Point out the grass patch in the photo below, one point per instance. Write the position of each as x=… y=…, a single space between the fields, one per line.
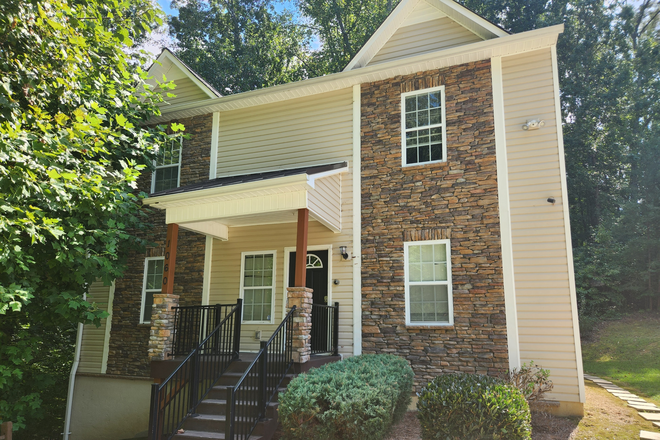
x=627 y=352
x=607 y=417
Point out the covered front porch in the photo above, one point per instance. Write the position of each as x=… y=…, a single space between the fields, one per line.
x=267 y=233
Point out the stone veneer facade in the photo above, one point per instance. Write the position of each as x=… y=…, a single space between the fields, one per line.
x=456 y=199
x=129 y=340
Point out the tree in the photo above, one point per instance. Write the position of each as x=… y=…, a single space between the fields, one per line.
x=72 y=144
x=239 y=45
x=343 y=27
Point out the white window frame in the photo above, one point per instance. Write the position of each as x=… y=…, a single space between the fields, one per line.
x=144 y=287
x=158 y=167
x=443 y=125
x=242 y=286
x=448 y=283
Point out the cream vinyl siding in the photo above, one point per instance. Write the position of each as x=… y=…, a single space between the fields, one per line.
x=300 y=132
x=93 y=359
x=326 y=198
x=226 y=268
x=186 y=91
x=429 y=36
x=541 y=272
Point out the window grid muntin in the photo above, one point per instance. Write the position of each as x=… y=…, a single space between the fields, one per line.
x=443 y=306
x=167 y=174
x=152 y=284
x=433 y=145
x=257 y=270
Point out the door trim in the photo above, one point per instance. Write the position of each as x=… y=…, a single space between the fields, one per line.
x=287 y=256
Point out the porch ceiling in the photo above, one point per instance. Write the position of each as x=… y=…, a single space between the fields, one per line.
x=213 y=206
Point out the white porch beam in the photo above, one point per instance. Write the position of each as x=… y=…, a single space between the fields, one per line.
x=212 y=228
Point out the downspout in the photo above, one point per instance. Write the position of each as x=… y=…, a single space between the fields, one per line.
x=72 y=379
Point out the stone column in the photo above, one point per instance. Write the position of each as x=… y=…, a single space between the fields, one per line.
x=162 y=326
x=301 y=297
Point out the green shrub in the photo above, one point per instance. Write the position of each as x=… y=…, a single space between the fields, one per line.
x=532 y=381
x=472 y=407
x=358 y=398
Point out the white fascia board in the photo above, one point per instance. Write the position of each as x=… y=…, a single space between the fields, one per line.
x=311 y=178
x=481 y=50
x=202 y=196
x=465 y=17
x=166 y=53
x=382 y=34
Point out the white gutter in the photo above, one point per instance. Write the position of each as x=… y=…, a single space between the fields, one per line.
x=72 y=379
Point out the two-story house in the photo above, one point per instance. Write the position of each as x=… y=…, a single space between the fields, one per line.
x=426 y=183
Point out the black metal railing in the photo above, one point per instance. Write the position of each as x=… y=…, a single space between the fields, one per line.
x=248 y=400
x=176 y=399
x=193 y=324
x=325 y=329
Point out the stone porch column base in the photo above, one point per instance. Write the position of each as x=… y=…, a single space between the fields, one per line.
x=162 y=326
x=301 y=297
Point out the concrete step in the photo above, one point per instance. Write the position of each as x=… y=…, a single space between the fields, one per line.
x=647 y=435
x=650 y=416
x=649 y=407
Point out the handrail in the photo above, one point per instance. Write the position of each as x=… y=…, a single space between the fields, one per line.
x=192 y=324
x=177 y=398
x=248 y=400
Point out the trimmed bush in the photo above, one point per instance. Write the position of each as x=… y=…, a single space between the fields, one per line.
x=358 y=398
x=472 y=407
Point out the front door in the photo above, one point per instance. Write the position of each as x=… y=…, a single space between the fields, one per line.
x=317 y=279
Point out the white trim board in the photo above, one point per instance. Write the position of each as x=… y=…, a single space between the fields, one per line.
x=511 y=311
x=567 y=227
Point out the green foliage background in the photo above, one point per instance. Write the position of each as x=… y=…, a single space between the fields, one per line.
x=72 y=145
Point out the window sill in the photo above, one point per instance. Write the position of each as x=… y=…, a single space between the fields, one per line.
x=429 y=326
x=144 y=325
x=424 y=164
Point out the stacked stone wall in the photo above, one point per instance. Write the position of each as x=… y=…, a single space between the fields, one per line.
x=456 y=199
x=129 y=340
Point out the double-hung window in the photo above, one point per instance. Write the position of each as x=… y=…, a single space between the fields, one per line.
x=423 y=123
x=258 y=286
x=168 y=167
x=428 y=283
x=152 y=283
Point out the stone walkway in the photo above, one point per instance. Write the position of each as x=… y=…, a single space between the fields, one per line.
x=647 y=410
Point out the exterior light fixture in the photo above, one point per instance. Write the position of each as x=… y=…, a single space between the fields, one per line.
x=342 y=251
x=533 y=124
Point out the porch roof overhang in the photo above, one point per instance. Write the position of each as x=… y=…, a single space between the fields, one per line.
x=211 y=207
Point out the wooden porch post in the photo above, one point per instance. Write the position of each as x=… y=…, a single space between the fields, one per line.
x=301 y=248
x=162 y=315
x=170 y=258
x=301 y=296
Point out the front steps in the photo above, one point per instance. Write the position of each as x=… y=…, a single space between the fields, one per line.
x=210 y=421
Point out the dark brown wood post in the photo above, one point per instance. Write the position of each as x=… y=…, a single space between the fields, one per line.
x=170 y=258
x=301 y=248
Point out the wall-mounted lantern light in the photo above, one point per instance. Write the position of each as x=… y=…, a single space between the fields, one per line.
x=342 y=251
x=533 y=124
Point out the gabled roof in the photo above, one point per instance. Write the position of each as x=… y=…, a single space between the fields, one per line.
x=190 y=86
x=403 y=15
